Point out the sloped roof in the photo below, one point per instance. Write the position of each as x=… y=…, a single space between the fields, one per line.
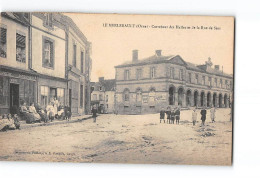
x=17 y=16
x=108 y=85
x=174 y=60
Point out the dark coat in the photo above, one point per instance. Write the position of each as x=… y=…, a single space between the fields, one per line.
x=172 y=115
x=94 y=112
x=168 y=114
x=162 y=114
x=203 y=113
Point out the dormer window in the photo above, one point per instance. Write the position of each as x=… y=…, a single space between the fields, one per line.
x=48 y=19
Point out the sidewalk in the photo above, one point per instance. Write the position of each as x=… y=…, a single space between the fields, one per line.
x=55 y=122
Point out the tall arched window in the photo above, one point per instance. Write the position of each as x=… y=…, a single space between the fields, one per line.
x=139 y=95
x=152 y=95
x=126 y=95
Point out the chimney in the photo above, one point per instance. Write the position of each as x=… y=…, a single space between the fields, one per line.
x=135 y=55
x=216 y=67
x=158 y=53
x=100 y=79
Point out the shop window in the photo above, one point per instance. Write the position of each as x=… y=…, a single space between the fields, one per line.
x=20 y=48
x=3 y=43
x=81 y=95
x=61 y=96
x=4 y=91
x=44 y=96
x=152 y=96
x=48 y=53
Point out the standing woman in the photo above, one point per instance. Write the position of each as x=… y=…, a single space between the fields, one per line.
x=203 y=113
x=213 y=114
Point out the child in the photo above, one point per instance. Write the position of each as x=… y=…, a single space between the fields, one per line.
x=194 y=116
x=162 y=115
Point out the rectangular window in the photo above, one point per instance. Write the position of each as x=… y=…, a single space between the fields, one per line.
x=138 y=74
x=189 y=78
x=203 y=80
x=216 y=82
x=82 y=62
x=127 y=75
x=106 y=98
x=210 y=81
x=152 y=72
x=20 y=48
x=3 y=43
x=48 y=19
x=75 y=55
x=100 y=97
x=221 y=83
x=196 y=78
x=48 y=53
x=44 y=95
x=61 y=96
x=172 y=73
x=181 y=74
x=94 y=96
x=81 y=95
x=226 y=84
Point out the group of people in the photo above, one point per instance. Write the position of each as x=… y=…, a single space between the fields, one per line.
x=9 y=122
x=174 y=114
x=171 y=115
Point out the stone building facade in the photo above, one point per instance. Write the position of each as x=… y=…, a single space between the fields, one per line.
x=103 y=95
x=147 y=85
x=37 y=61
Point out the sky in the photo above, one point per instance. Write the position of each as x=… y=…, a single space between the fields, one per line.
x=113 y=46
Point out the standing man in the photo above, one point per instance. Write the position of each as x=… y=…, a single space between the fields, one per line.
x=177 y=115
x=213 y=114
x=162 y=115
x=94 y=113
x=203 y=113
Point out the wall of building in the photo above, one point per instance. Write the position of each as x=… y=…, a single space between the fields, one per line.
x=58 y=36
x=13 y=28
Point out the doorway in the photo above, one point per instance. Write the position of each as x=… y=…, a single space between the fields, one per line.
x=14 y=96
x=70 y=98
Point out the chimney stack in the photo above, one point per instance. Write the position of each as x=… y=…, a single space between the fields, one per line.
x=135 y=55
x=158 y=53
x=216 y=67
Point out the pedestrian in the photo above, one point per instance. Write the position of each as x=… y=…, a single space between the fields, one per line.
x=94 y=113
x=177 y=115
x=162 y=115
x=213 y=114
x=203 y=113
x=172 y=116
x=168 y=113
x=194 y=116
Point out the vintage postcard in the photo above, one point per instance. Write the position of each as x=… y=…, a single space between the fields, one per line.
x=116 y=88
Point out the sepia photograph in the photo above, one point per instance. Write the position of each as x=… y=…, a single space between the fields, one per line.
x=116 y=88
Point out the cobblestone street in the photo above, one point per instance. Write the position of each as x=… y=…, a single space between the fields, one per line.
x=124 y=139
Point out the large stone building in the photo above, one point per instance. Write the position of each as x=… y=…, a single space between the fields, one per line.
x=43 y=56
x=103 y=95
x=147 y=85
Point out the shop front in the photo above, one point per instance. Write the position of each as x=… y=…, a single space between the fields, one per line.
x=16 y=86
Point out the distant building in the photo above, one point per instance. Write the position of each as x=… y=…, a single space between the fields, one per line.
x=103 y=95
x=43 y=56
x=147 y=85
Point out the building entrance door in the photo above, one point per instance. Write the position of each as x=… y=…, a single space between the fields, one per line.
x=14 y=95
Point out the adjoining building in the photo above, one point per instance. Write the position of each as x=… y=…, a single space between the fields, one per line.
x=43 y=56
x=147 y=85
x=103 y=95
